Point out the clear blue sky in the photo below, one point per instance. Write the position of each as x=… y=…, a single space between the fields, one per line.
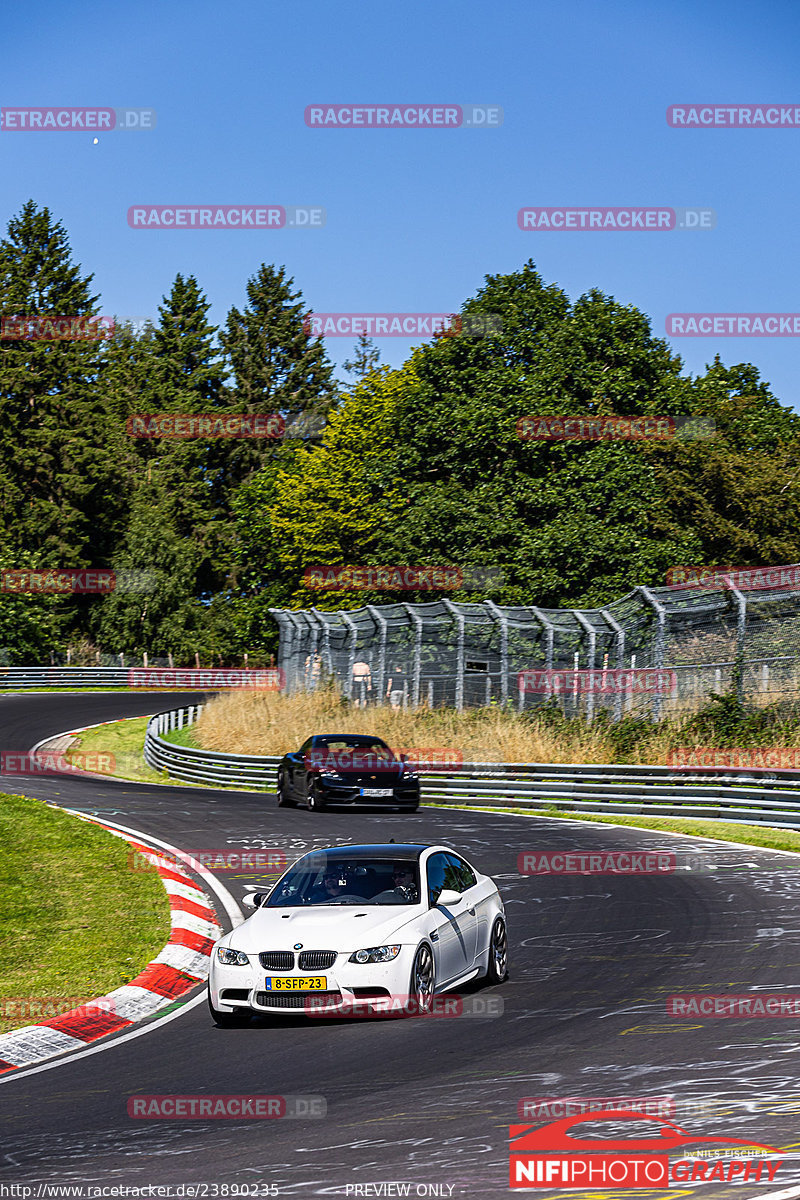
x=415 y=219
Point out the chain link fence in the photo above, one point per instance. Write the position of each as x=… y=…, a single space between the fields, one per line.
x=657 y=651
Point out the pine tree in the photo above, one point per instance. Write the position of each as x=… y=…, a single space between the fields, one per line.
x=179 y=527
x=366 y=357
x=60 y=481
x=277 y=367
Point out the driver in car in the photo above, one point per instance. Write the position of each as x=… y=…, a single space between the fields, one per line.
x=333 y=884
x=403 y=880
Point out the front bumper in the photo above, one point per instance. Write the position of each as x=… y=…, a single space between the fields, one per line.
x=352 y=988
x=404 y=795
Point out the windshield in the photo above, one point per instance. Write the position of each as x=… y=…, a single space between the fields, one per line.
x=338 y=754
x=358 y=881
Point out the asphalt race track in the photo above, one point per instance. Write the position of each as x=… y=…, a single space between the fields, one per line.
x=429 y=1101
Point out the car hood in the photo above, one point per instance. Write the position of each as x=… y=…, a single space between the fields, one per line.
x=373 y=775
x=338 y=927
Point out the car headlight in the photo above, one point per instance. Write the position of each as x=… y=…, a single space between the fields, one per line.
x=376 y=954
x=232 y=958
x=334 y=776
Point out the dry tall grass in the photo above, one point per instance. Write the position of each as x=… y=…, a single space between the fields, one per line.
x=270 y=723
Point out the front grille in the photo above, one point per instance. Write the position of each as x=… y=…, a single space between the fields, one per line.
x=295 y=999
x=314 y=960
x=277 y=960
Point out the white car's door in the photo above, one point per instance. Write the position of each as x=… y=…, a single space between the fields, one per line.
x=453 y=930
x=461 y=878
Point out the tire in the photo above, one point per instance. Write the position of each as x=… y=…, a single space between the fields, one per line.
x=498 y=953
x=229 y=1020
x=283 y=799
x=422 y=985
x=314 y=801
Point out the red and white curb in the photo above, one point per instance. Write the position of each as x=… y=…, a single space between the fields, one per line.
x=182 y=964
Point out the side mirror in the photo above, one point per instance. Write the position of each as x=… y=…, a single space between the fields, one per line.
x=254 y=899
x=448 y=898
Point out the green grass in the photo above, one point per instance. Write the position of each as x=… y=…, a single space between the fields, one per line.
x=181 y=737
x=125 y=740
x=724 y=831
x=75 y=920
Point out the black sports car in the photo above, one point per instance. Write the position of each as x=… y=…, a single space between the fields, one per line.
x=347 y=768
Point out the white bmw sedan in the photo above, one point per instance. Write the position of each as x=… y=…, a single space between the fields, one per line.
x=351 y=930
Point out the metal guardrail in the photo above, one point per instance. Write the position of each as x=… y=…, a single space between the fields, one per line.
x=771 y=798
x=21 y=678
x=254 y=771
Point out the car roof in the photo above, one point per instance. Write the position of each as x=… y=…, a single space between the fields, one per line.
x=409 y=850
x=357 y=739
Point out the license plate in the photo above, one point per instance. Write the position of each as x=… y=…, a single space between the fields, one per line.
x=309 y=983
x=376 y=792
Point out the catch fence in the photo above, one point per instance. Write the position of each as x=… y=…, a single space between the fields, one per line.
x=655 y=651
